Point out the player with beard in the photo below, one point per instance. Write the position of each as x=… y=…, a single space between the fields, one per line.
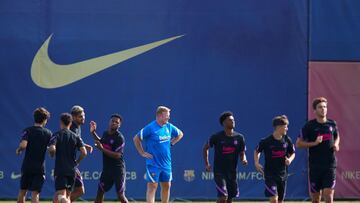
x=321 y=137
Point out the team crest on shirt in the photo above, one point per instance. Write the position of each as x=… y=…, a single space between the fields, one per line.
x=235 y=142
x=111 y=141
x=189 y=175
x=285 y=145
x=331 y=128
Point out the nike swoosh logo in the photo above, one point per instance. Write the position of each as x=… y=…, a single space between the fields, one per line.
x=15 y=176
x=47 y=74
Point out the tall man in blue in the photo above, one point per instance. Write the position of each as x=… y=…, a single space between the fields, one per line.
x=112 y=146
x=158 y=137
x=34 y=140
x=279 y=152
x=321 y=137
x=229 y=146
x=65 y=144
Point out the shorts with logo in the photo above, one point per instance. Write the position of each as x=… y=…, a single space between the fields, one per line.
x=64 y=182
x=226 y=185
x=275 y=187
x=155 y=174
x=78 y=179
x=109 y=178
x=321 y=178
x=32 y=182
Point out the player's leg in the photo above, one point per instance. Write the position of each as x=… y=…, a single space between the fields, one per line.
x=99 y=196
x=79 y=187
x=315 y=185
x=271 y=190
x=61 y=196
x=120 y=179
x=36 y=186
x=165 y=178
x=21 y=196
x=152 y=177
x=281 y=189
x=329 y=180
x=232 y=187
x=221 y=189
x=105 y=184
x=24 y=185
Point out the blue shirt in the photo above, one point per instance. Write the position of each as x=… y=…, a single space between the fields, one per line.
x=157 y=142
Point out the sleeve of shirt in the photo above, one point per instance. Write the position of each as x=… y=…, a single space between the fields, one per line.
x=79 y=142
x=120 y=144
x=174 y=130
x=336 y=131
x=260 y=147
x=25 y=135
x=212 y=141
x=53 y=139
x=290 y=146
x=304 y=133
x=242 y=146
x=145 y=132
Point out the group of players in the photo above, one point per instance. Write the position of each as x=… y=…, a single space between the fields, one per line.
x=319 y=135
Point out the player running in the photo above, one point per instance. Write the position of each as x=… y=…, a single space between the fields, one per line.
x=279 y=152
x=112 y=146
x=34 y=140
x=64 y=145
x=322 y=138
x=228 y=145
x=158 y=136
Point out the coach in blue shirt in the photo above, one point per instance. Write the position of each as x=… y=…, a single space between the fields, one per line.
x=158 y=137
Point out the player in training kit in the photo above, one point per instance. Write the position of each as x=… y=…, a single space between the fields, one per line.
x=228 y=145
x=112 y=146
x=78 y=119
x=158 y=136
x=322 y=138
x=279 y=152
x=64 y=145
x=34 y=140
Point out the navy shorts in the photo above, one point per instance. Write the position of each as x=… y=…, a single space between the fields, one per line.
x=321 y=178
x=275 y=188
x=64 y=182
x=32 y=182
x=78 y=179
x=226 y=185
x=109 y=178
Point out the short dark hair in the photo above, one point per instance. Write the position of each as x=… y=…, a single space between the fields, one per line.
x=76 y=110
x=317 y=101
x=280 y=120
x=116 y=115
x=41 y=114
x=224 y=115
x=66 y=119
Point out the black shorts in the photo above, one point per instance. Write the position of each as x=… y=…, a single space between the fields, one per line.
x=64 y=182
x=32 y=182
x=108 y=178
x=226 y=185
x=321 y=178
x=275 y=188
x=78 y=179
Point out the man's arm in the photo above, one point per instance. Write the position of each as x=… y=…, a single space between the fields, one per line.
x=289 y=159
x=243 y=159
x=111 y=154
x=258 y=166
x=83 y=153
x=337 y=144
x=93 y=133
x=140 y=149
x=176 y=139
x=206 y=156
x=52 y=150
x=300 y=143
x=22 y=147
